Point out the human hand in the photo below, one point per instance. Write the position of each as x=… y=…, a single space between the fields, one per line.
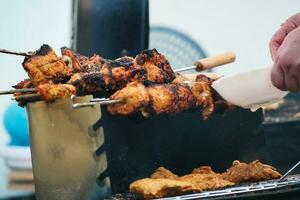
x=286 y=56
x=278 y=38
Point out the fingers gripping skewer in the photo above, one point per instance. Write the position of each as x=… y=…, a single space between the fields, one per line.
x=16 y=52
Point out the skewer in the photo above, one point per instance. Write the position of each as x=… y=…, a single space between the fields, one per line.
x=101 y=102
x=288 y=172
x=17 y=91
x=98 y=99
x=27 y=97
x=16 y=52
x=210 y=62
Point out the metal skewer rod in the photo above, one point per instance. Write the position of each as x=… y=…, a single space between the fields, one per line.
x=184 y=69
x=17 y=91
x=98 y=99
x=16 y=52
x=27 y=97
x=288 y=172
x=101 y=102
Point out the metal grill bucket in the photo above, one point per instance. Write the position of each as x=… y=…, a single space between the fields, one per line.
x=63 y=148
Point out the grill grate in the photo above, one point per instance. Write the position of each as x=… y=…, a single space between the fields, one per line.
x=259 y=189
x=243 y=189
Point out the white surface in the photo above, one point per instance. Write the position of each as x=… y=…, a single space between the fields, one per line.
x=250 y=89
x=15 y=153
x=242 y=26
x=16 y=157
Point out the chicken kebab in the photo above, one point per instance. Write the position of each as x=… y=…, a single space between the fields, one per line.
x=169 y=98
x=93 y=75
x=145 y=84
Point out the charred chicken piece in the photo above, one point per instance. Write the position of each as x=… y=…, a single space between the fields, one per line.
x=112 y=76
x=186 y=99
x=135 y=96
x=203 y=170
x=46 y=67
x=157 y=66
x=180 y=79
x=220 y=105
x=88 y=83
x=81 y=63
x=163 y=98
x=162 y=172
x=26 y=83
x=148 y=188
x=252 y=172
x=51 y=92
x=202 y=91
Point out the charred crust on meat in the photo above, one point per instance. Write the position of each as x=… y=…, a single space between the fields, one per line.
x=144 y=55
x=124 y=62
x=43 y=50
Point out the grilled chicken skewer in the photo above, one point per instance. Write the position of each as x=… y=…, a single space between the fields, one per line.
x=168 y=98
x=145 y=84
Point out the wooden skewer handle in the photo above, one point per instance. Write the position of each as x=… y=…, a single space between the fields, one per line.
x=214 y=61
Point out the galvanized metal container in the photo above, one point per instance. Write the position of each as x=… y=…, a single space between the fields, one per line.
x=63 y=148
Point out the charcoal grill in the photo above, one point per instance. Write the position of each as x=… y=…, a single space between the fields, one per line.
x=135 y=146
x=128 y=148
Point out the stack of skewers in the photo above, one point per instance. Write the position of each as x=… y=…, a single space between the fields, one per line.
x=145 y=84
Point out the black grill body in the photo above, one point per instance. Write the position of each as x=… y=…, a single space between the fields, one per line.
x=136 y=146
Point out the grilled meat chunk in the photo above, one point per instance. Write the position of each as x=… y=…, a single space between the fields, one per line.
x=158 y=188
x=81 y=63
x=135 y=96
x=252 y=172
x=112 y=76
x=186 y=99
x=162 y=172
x=77 y=60
x=157 y=66
x=163 y=183
x=163 y=98
x=202 y=91
x=205 y=178
x=207 y=181
x=203 y=170
x=26 y=83
x=181 y=79
x=167 y=98
x=52 y=92
x=45 y=67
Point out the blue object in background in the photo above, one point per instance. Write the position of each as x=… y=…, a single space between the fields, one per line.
x=180 y=49
x=15 y=122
